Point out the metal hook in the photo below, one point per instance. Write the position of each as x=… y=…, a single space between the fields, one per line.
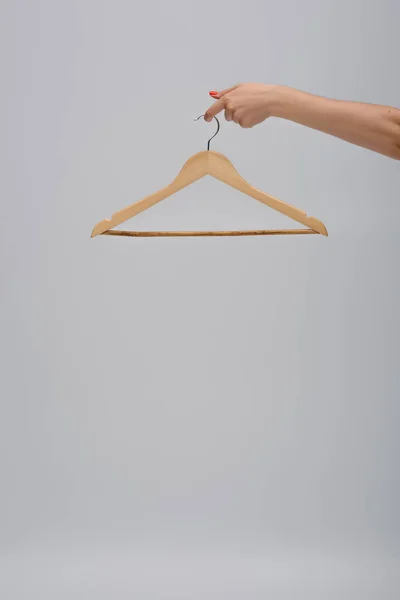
x=213 y=136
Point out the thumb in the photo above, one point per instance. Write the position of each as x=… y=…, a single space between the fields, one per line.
x=224 y=92
x=218 y=95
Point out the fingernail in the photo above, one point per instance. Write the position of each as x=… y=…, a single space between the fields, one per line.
x=213 y=93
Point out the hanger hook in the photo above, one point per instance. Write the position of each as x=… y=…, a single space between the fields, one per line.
x=213 y=136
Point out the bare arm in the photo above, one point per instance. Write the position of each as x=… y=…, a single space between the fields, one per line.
x=371 y=126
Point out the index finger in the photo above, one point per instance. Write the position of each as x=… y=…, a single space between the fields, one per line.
x=214 y=110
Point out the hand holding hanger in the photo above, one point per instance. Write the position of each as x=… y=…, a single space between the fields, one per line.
x=371 y=126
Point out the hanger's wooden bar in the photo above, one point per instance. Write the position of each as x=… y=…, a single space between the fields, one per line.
x=218 y=166
x=208 y=233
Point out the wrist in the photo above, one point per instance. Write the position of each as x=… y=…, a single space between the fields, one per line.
x=280 y=98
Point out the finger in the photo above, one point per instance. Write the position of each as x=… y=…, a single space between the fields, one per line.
x=228 y=114
x=235 y=117
x=214 y=110
x=217 y=95
x=240 y=117
x=224 y=92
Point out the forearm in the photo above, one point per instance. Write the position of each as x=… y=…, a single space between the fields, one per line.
x=371 y=126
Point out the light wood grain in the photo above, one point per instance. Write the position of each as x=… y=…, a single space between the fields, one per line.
x=208 y=233
x=218 y=166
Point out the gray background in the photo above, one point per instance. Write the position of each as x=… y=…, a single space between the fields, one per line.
x=195 y=418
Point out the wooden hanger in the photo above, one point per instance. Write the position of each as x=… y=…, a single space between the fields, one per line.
x=217 y=165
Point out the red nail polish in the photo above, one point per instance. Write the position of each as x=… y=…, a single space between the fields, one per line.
x=213 y=93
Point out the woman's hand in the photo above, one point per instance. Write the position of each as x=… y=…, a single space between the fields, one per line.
x=372 y=126
x=246 y=104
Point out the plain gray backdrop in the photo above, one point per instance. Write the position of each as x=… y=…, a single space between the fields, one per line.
x=195 y=418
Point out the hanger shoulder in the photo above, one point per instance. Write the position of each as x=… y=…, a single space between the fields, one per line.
x=220 y=167
x=194 y=168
